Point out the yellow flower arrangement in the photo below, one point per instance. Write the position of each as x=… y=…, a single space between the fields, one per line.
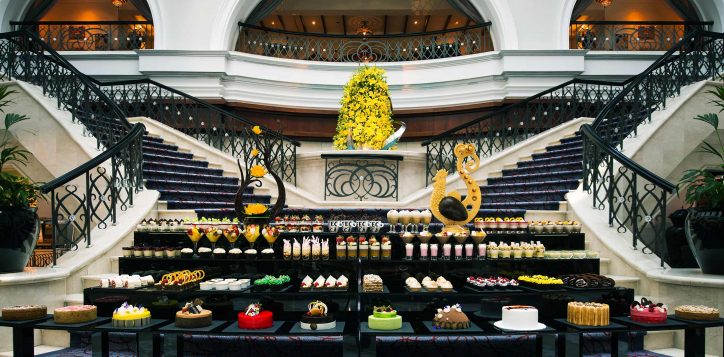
x=254 y=209
x=254 y=152
x=366 y=112
x=256 y=129
x=257 y=171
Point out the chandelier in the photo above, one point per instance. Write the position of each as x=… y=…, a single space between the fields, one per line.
x=364 y=28
x=605 y=3
x=118 y=3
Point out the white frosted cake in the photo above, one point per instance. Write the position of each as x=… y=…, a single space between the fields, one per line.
x=519 y=317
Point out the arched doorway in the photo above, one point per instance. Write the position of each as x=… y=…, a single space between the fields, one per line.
x=355 y=31
x=90 y=25
x=632 y=25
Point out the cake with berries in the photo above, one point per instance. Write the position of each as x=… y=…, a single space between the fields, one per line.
x=75 y=314
x=648 y=312
x=192 y=315
x=384 y=318
x=317 y=317
x=24 y=312
x=254 y=318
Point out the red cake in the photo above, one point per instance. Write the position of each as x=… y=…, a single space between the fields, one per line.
x=255 y=319
x=648 y=312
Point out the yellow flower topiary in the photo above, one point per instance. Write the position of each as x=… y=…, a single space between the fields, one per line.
x=256 y=129
x=366 y=111
x=257 y=171
x=254 y=209
x=254 y=152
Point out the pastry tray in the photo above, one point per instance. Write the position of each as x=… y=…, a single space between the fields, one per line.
x=50 y=324
x=337 y=330
x=547 y=329
x=472 y=329
x=610 y=327
x=405 y=330
x=425 y=291
x=669 y=324
x=154 y=323
x=516 y=289
x=700 y=323
x=385 y=290
x=234 y=329
x=24 y=322
x=172 y=327
x=327 y=290
x=573 y=288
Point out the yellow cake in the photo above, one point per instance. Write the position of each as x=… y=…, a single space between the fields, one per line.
x=131 y=316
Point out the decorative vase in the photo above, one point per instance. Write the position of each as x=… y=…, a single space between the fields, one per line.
x=703 y=233
x=21 y=229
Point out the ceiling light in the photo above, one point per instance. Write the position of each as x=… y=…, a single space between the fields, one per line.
x=415 y=22
x=605 y=3
x=314 y=22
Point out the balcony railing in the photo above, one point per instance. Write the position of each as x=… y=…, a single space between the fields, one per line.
x=92 y=35
x=373 y=48
x=630 y=35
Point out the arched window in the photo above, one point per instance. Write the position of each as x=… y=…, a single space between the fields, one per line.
x=632 y=25
x=354 y=31
x=90 y=25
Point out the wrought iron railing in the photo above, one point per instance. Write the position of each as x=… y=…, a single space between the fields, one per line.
x=636 y=198
x=89 y=195
x=92 y=35
x=370 y=48
x=40 y=259
x=514 y=123
x=630 y=35
x=210 y=124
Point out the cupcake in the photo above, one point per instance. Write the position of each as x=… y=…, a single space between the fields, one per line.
x=138 y=252
x=170 y=252
x=528 y=250
x=187 y=253
x=148 y=252
x=250 y=253
x=235 y=253
x=219 y=253
x=267 y=253
x=158 y=252
x=505 y=251
x=205 y=252
x=493 y=251
x=127 y=251
x=517 y=251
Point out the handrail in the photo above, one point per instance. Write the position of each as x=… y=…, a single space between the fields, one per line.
x=399 y=35
x=708 y=23
x=198 y=101
x=21 y=23
x=136 y=132
x=520 y=104
x=644 y=173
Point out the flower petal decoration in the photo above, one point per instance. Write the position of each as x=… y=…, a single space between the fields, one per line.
x=254 y=152
x=254 y=209
x=256 y=129
x=257 y=171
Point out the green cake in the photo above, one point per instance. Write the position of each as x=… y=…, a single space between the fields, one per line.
x=384 y=318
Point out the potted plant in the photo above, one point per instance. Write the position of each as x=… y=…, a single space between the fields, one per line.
x=704 y=191
x=18 y=199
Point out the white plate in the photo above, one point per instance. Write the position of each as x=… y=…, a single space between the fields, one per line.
x=499 y=324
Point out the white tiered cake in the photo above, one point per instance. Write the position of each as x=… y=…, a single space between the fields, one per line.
x=520 y=318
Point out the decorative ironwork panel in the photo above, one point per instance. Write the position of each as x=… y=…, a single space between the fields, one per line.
x=358 y=48
x=361 y=177
x=92 y=36
x=630 y=35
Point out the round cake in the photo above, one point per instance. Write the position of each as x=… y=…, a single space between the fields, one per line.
x=24 y=312
x=588 y=313
x=384 y=318
x=128 y=316
x=520 y=318
x=254 y=318
x=688 y=312
x=451 y=318
x=648 y=312
x=317 y=317
x=192 y=315
x=75 y=314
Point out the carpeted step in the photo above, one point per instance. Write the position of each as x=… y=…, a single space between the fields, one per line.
x=174 y=160
x=371 y=214
x=167 y=184
x=529 y=205
x=164 y=166
x=531 y=196
x=187 y=177
x=168 y=153
x=561 y=146
x=554 y=153
x=570 y=184
x=152 y=139
x=537 y=177
x=156 y=145
x=196 y=205
x=552 y=161
x=574 y=139
x=535 y=169
x=210 y=196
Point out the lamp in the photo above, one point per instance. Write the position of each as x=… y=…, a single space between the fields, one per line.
x=605 y=3
x=118 y=3
x=364 y=28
